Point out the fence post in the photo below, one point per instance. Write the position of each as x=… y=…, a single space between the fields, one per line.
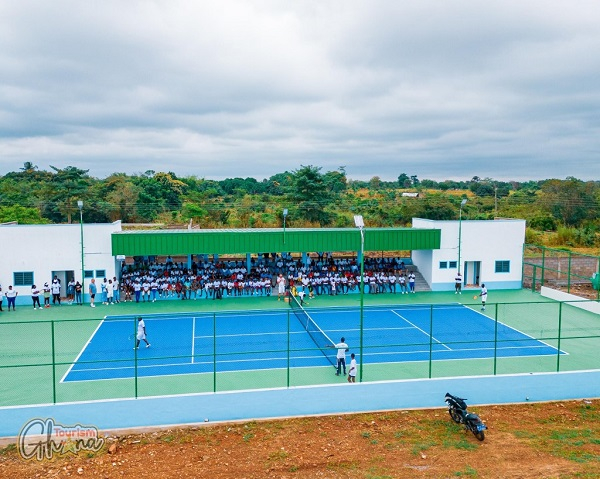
x=559 y=336
x=214 y=352
x=53 y=364
x=496 y=340
x=569 y=275
x=430 y=341
x=288 y=349
x=543 y=263
x=135 y=359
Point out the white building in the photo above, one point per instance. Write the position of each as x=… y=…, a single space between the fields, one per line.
x=34 y=254
x=490 y=251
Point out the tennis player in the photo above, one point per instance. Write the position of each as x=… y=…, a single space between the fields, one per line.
x=342 y=349
x=280 y=287
x=352 y=370
x=483 y=295
x=141 y=333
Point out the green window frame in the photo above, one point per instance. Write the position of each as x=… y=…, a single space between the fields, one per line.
x=502 y=266
x=23 y=278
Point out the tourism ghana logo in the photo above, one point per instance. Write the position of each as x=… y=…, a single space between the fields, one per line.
x=43 y=438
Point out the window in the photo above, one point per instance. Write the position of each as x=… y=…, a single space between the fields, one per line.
x=452 y=264
x=503 y=266
x=443 y=265
x=89 y=273
x=100 y=273
x=23 y=278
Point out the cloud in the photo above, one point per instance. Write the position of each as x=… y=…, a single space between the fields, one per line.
x=252 y=88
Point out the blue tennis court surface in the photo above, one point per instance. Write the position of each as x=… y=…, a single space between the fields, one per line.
x=259 y=340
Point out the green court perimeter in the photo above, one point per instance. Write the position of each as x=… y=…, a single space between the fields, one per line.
x=38 y=347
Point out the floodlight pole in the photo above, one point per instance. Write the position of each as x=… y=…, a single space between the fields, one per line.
x=462 y=203
x=80 y=206
x=285 y=213
x=360 y=224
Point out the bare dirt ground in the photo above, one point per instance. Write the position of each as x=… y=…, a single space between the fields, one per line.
x=549 y=440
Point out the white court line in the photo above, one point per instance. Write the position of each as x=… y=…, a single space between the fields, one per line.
x=175 y=365
x=423 y=331
x=81 y=352
x=514 y=329
x=250 y=334
x=193 y=338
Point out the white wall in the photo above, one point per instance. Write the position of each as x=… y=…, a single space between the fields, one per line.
x=42 y=249
x=571 y=299
x=485 y=241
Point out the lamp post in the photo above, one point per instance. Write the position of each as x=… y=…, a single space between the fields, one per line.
x=360 y=224
x=80 y=206
x=285 y=213
x=462 y=203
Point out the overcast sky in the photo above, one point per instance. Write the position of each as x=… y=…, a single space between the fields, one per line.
x=446 y=89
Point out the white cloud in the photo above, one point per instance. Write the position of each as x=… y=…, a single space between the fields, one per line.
x=254 y=87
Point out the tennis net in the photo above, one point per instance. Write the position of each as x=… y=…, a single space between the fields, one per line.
x=323 y=342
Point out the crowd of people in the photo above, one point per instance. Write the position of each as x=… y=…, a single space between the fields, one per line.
x=269 y=274
x=149 y=281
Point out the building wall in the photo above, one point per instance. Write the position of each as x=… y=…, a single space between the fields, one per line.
x=484 y=241
x=44 y=249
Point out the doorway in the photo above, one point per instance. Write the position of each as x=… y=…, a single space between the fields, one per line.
x=472 y=273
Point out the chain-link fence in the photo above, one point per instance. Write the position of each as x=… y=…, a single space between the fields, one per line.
x=561 y=269
x=85 y=360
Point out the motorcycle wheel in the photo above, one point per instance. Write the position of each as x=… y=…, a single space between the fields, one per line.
x=455 y=415
x=480 y=435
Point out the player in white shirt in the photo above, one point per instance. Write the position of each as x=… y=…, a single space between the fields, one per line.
x=353 y=368
x=141 y=333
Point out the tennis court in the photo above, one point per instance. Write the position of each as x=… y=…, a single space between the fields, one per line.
x=196 y=343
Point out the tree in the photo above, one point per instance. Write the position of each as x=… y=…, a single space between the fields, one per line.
x=311 y=194
x=570 y=201
x=21 y=215
x=404 y=181
x=68 y=185
x=29 y=167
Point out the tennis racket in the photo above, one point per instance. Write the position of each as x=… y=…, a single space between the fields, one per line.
x=475 y=297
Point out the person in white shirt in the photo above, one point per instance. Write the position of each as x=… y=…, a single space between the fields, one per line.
x=411 y=282
x=35 y=296
x=352 y=370
x=483 y=294
x=141 y=333
x=55 y=291
x=342 y=349
x=458 y=283
x=280 y=286
x=109 y=292
x=11 y=296
x=116 y=295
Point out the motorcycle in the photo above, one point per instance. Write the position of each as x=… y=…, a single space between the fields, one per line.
x=457 y=408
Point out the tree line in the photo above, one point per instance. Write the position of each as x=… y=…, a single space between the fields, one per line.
x=311 y=197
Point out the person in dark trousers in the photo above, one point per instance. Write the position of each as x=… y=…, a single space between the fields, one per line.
x=458 y=283
x=342 y=349
x=11 y=296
